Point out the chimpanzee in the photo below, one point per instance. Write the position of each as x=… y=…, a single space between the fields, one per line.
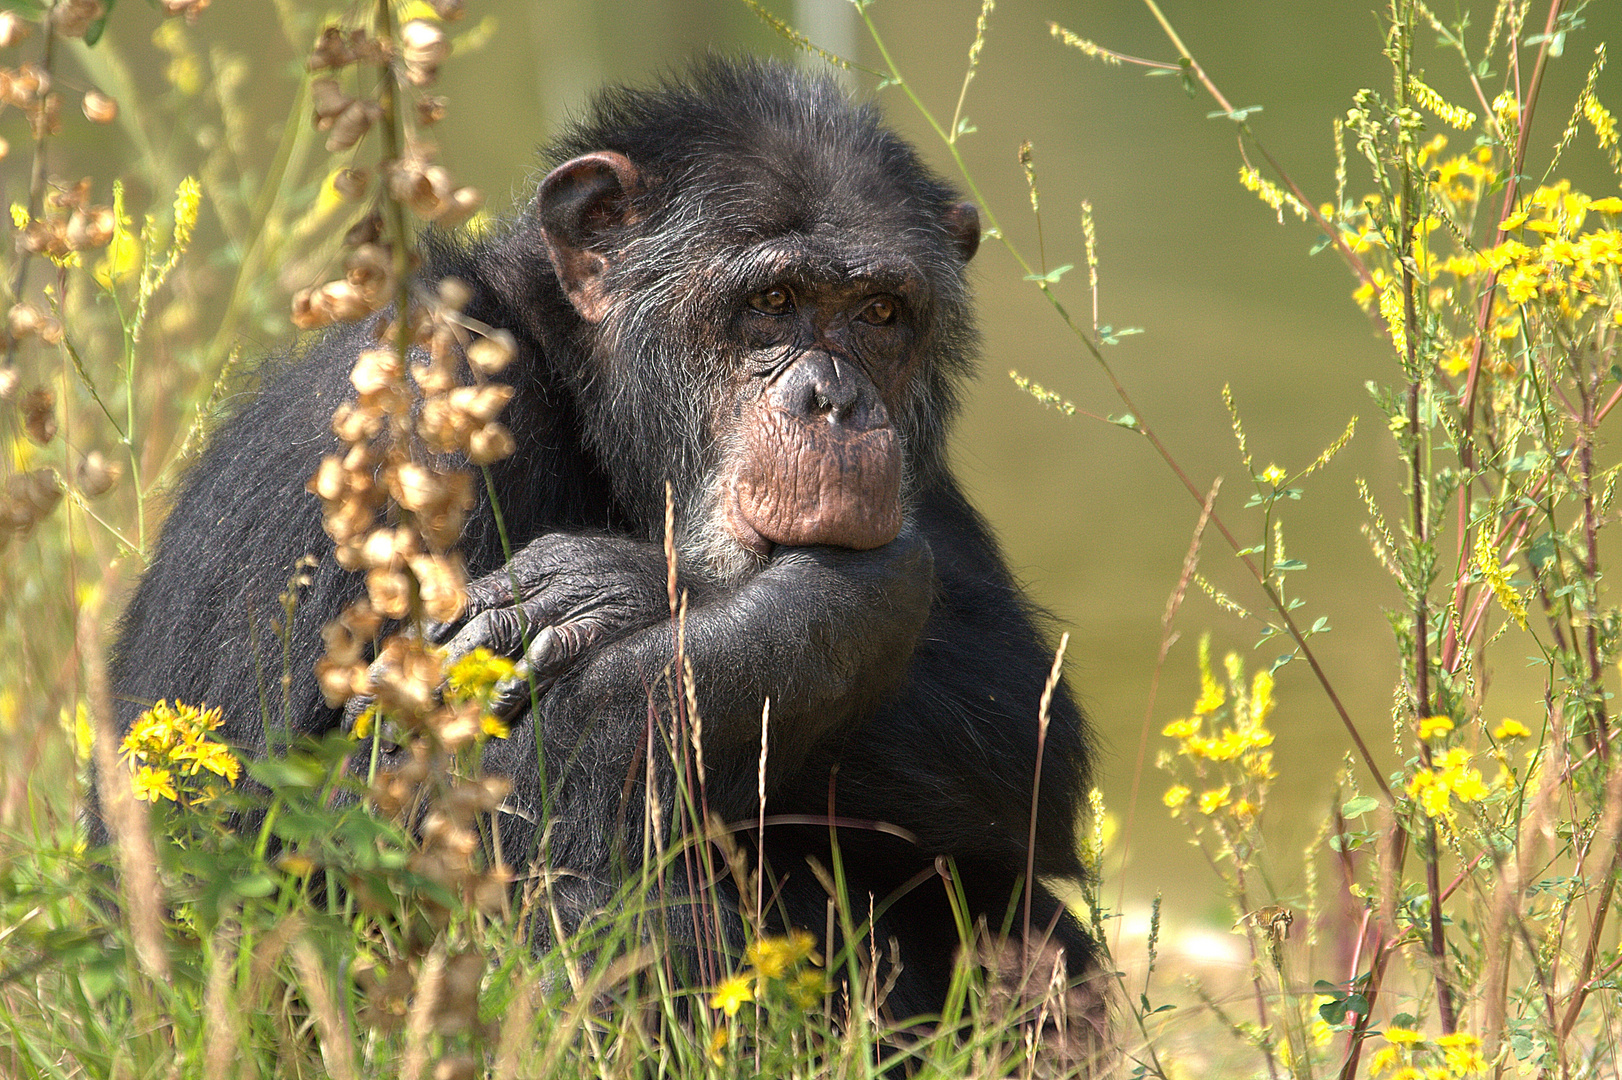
x=740 y=284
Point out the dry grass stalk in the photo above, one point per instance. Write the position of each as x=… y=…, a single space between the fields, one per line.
x=337 y=1046
x=126 y=816
x=222 y=1053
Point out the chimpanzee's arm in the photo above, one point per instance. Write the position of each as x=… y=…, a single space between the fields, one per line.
x=824 y=633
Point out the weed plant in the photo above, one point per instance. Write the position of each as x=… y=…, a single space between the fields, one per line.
x=339 y=925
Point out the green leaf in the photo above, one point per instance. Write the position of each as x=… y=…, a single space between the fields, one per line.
x=1126 y=420
x=287 y=773
x=254 y=886
x=1237 y=115
x=1289 y=564
x=1359 y=806
x=1108 y=335
x=1052 y=276
x=93 y=33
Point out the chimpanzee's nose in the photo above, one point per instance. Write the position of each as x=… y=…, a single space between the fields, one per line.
x=821 y=386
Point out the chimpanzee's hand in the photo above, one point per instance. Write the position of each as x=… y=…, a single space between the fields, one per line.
x=563 y=593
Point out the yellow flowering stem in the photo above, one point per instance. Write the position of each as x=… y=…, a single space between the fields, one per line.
x=1512 y=191
x=1420 y=524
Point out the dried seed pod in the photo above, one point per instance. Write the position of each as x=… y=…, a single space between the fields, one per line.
x=99 y=108
x=333 y=49
x=13 y=28
x=27 y=83
x=463 y=203
x=442 y=586
x=39 y=414
x=352 y=183
x=71 y=196
x=33 y=495
x=423 y=47
x=189 y=8
x=492 y=353
x=343 y=301
x=45 y=237
x=90 y=228
x=376 y=369
x=365 y=231
x=96 y=475
x=24 y=320
x=449 y=10
x=490 y=443
x=47 y=118
x=305 y=315
x=454 y=293
x=328 y=100
x=9 y=381
x=73 y=17
x=370 y=268
x=430 y=110
x=481 y=403
x=352 y=125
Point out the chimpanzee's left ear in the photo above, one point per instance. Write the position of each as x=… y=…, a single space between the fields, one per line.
x=963 y=223
x=581 y=204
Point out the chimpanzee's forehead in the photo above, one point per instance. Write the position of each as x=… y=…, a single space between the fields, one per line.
x=831 y=258
x=757 y=199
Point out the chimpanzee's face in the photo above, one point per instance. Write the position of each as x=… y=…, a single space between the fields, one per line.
x=825 y=360
x=792 y=341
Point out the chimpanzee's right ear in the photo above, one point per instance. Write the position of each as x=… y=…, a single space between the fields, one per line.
x=963 y=222
x=581 y=203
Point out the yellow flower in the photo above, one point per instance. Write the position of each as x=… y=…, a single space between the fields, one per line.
x=1185 y=728
x=732 y=993
x=1521 y=283
x=1383 y=1059
x=1215 y=799
x=153 y=784
x=807 y=987
x=1431 y=795
x=774 y=956
x=1463 y=1053
x=216 y=758
x=718 y=1044
x=1274 y=475
x=294 y=863
x=1403 y=1036
x=1176 y=796
x=1261 y=697
x=1492 y=571
x=1608 y=205
x=1432 y=726
x=475 y=675
x=1511 y=729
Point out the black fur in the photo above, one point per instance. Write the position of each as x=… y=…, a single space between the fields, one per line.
x=904 y=679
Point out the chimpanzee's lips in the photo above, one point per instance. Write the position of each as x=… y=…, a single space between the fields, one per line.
x=816 y=483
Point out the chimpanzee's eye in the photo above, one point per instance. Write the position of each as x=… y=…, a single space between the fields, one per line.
x=776 y=300
x=880 y=311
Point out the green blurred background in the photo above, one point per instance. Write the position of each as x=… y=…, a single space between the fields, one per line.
x=1092 y=520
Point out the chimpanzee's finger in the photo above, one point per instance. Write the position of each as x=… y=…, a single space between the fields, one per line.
x=353 y=708
x=500 y=630
x=516 y=692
